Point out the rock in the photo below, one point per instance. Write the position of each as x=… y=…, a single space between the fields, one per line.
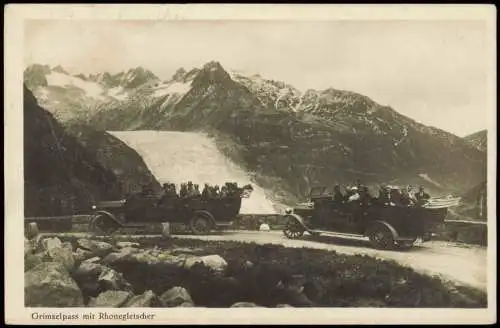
x=264 y=227
x=37 y=244
x=186 y=304
x=110 y=298
x=244 y=304
x=62 y=253
x=116 y=257
x=110 y=279
x=146 y=299
x=32 y=260
x=283 y=306
x=97 y=248
x=129 y=250
x=94 y=259
x=50 y=285
x=82 y=254
x=175 y=297
x=50 y=243
x=89 y=270
x=32 y=230
x=184 y=250
x=215 y=263
x=126 y=244
x=144 y=257
x=189 y=261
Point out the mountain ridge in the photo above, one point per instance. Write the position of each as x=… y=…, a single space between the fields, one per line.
x=333 y=136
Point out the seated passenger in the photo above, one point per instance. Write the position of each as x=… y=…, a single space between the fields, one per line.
x=354 y=195
x=396 y=196
x=338 y=196
x=385 y=197
x=421 y=196
x=183 y=190
x=365 y=197
x=206 y=191
x=197 y=190
x=406 y=199
x=216 y=191
x=223 y=191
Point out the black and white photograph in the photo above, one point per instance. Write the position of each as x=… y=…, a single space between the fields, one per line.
x=259 y=162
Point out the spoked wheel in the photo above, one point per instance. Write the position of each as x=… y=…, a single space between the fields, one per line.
x=200 y=225
x=293 y=229
x=101 y=223
x=381 y=237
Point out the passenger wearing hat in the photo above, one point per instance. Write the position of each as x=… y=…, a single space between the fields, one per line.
x=421 y=196
x=354 y=196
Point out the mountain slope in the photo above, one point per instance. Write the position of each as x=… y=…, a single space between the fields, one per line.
x=293 y=140
x=478 y=140
x=114 y=155
x=61 y=176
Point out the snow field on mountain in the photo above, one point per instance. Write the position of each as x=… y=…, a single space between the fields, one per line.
x=91 y=89
x=175 y=87
x=179 y=157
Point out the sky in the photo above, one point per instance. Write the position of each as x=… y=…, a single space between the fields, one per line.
x=436 y=72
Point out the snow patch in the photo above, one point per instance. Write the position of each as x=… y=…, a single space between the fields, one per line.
x=426 y=177
x=92 y=89
x=175 y=87
x=117 y=93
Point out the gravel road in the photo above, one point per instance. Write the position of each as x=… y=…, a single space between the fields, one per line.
x=464 y=264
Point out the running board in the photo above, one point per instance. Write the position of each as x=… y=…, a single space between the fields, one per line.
x=326 y=232
x=344 y=234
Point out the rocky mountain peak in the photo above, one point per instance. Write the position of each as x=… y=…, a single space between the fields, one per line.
x=59 y=69
x=179 y=75
x=212 y=73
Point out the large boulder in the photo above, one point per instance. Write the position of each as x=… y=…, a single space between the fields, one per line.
x=146 y=299
x=110 y=279
x=50 y=243
x=97 y=248
x=82 y=254
x=110 y=299
x=50 y=285
x=63 y=253
x=89 y=270
x=114 y=257
x=175 y=297
x=214 y=262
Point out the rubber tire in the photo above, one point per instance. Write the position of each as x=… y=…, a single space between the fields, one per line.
x=381 y=237
x=197 y=218
x=293 y=229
